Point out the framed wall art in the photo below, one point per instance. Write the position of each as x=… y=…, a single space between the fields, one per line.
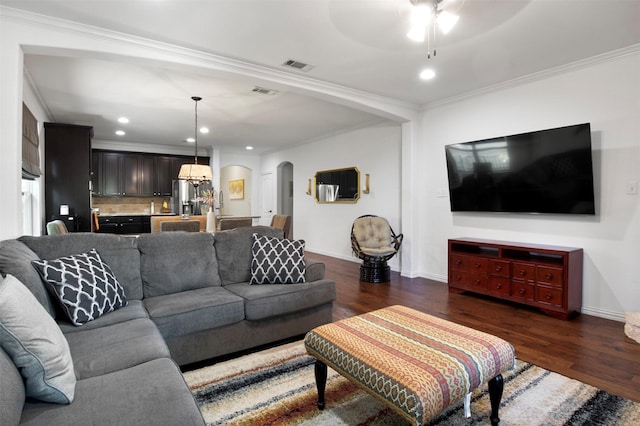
x=236 y=189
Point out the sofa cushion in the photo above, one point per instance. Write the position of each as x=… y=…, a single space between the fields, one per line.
x=15 y=259
x=266 y=301
x=35 y=344
x=121 y=253
x=233 y=249
x=115 y=347
x=152 y=393
x=84 y=284
x=134 y=310
x=172 y=262
x=277 y=261
x=11 y=389
x=195 y=310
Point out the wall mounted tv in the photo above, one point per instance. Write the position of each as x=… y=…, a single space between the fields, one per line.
x=547 y=171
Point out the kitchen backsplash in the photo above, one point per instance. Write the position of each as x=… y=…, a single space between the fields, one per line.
x=131 y=205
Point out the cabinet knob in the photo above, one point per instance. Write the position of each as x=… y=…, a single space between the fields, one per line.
x=548 y=276
x=458 y=261
x=498 y=286
x=458 y=277
x=522 y=291
x=477 y=282
x=522 y=272
x=549 y=296
x=498 y=268
x=477 y=265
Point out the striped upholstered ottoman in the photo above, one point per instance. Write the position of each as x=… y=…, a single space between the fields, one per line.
x=415 y=363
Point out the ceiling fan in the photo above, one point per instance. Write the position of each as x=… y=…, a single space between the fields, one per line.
x=426 y=15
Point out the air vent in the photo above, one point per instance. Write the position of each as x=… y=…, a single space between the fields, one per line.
x=298 y=65
x=264 y=90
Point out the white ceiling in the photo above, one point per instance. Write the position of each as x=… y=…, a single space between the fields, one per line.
x=357 y=44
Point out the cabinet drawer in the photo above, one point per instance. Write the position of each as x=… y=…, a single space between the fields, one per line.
x=523 y=290
x=107 y=219
x=478 y=281
x=458 y=279
x=524 y=271
x=500 y=268
x=479 y=264
x=499 y=285
x=549 y=295
x=549 y=275
x=459 y=262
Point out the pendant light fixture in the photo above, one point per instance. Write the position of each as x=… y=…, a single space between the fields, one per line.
x=195 y=173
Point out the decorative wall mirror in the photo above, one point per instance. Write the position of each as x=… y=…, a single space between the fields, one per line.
x=338 y=185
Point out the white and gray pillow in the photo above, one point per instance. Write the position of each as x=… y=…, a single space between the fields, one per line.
x=277 y=261
x=37 y=347
x=84 y=285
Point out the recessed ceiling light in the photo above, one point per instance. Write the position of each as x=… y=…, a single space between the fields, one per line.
x=120 y=132
x=190 y=140
x=204 y=130
x=249 y=148
x=427 y=74
x=123 y=120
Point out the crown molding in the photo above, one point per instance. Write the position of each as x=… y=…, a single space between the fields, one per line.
x=390 y=108
x=541 y=75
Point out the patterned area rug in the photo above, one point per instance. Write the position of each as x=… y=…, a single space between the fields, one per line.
x=277 y=387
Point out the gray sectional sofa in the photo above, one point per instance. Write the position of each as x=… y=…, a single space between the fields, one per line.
x=188 y=299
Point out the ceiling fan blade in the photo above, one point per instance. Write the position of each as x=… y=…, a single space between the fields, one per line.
x=451 y=6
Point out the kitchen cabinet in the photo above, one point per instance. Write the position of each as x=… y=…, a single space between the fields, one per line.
x=125 y=174
x=133 y=224
x=67 y=159
x=543 y=276
x=119 y=174
x=110 y=174
x=156 y=175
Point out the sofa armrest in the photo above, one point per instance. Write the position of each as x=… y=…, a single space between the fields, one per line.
x=314 y=270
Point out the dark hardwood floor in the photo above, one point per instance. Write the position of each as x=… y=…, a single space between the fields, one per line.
x=587 y=348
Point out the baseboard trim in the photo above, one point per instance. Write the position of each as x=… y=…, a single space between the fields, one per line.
x=603 y=313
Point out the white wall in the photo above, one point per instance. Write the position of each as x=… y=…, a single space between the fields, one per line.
x=606 y=94
x=326 y=228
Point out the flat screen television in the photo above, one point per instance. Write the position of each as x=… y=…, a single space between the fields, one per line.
x=546 y=171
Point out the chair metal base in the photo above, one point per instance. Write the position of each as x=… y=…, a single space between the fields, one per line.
x=378 y=272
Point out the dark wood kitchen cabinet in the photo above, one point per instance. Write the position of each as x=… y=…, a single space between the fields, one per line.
x=118 y=174
x=67 y=158
x=156 y=175
x=124 y=224
x=127 y=174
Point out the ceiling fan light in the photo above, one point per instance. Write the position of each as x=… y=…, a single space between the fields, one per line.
x=446 y=21
x=417 y=33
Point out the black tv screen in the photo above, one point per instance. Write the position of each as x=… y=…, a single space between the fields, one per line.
x=547 y=171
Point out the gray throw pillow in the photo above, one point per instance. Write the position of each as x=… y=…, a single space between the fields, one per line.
x=35 y=344
x=84 y=285
x=277 y=261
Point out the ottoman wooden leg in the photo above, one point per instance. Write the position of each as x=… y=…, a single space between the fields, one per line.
x=495 y=395
x=321 y=381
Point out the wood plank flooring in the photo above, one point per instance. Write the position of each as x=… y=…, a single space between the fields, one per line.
x=587 y=348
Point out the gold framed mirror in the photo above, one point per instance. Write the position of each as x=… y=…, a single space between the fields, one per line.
x=337 y=185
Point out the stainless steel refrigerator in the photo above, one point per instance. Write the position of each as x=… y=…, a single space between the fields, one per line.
x=184 y=195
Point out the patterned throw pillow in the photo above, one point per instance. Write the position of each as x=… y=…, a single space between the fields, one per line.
x=277 y=261
x=84 y=285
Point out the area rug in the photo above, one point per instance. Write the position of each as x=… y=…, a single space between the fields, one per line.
x=277 y=387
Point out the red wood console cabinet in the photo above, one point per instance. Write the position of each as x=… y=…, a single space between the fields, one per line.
x=546 y=277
